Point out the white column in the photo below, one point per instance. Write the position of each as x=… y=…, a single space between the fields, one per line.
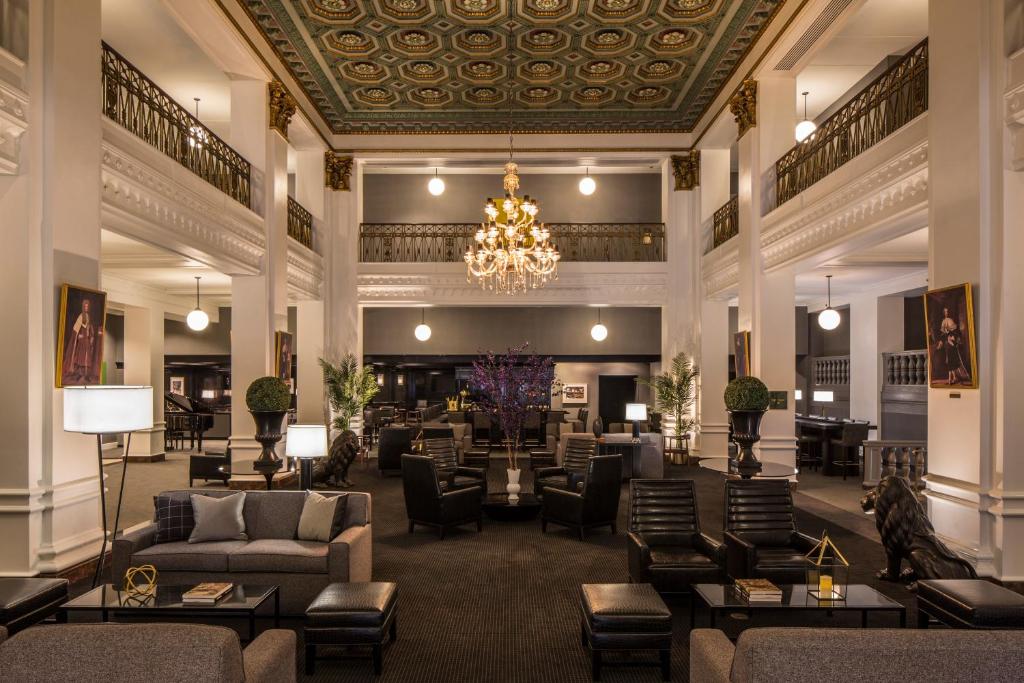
x=309 y=181
x=252 y=356
x=309 y=344
x=766 y=301
x=876 y=326
x=976 y=475
x=49 y=487
x=144 y=365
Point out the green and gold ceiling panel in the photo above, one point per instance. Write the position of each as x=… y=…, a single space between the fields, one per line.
x=443 y=66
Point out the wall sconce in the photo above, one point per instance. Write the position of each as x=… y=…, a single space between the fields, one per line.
x=380 y=379
x=401 y=380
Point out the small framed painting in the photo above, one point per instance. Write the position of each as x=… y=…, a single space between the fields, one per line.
x=574 y=393
x=949 y=323
x=741 y=351
x=83 y=313
x=177 y=386
x=283 y=345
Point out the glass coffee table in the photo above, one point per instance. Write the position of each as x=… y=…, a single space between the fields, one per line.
x=719 y=598
x=497 y=507
x=242 y=601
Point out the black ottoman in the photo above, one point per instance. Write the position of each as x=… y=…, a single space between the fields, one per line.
x=24 y=602
x=969 y=603
x=351 y=614
x=625 y=617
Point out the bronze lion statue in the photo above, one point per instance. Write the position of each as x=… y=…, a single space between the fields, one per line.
x=908 y=535
x=333 y=470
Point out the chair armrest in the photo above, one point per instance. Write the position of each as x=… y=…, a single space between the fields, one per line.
x=804 y=542
x=125 y=545
x=477 y=472
x=740 y=556
x=271 y=657
x=461 y=503
x=350 y=555
x=711 y=548
x=564 y=505
x=639 y=556
x=548 y=472
x=711 y=655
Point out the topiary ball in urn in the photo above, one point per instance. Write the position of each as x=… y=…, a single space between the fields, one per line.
x=746 y=399
x=268 y=399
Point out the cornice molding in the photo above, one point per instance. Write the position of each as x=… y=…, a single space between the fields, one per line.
x=13 y=123
x=720 y=269
x=305 y=272
x=686 y=169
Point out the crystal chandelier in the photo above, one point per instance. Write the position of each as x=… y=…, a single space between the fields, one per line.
x=513 y=251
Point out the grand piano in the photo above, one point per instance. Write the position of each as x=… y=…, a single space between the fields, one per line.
x=186 y=418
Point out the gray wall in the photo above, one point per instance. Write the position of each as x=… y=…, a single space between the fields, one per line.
x=625 y=197
x=557 y=331
x=588 y=373
x=215 y=340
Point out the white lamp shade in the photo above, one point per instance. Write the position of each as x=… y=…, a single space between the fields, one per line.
x=804 y=130
x=599 y=332
x=197 y=320
x=107 y=409
x=799 y=395
x=587 y=186
x=209 y=393
x=436 y=186
x=422 y=332
x=306 y=441
x=828 y=319
x=636 y=412
x=824 y=396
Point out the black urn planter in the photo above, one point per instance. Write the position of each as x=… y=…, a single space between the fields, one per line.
x=746 y=431
x=268 y=433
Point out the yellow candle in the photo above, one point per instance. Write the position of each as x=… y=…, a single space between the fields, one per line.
x=825 y=585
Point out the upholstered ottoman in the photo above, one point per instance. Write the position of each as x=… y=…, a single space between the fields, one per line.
x=351 y=614
x=969 y=603
x=625 y=617
x=24 y=602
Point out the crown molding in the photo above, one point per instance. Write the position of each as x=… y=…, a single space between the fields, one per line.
x=13 y=123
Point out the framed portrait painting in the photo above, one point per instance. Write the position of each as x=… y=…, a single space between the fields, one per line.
x=949 y=324
x=574 y=393
x=741 y=353
x=80 y=336
x=283 y=349
x=177 y=386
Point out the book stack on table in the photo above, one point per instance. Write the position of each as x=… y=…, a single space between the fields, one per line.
x=759 y=591
x=206 y=593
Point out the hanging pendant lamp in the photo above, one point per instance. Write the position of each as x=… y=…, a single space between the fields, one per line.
x=436 y=185
x=422 y=331
x=805 y=128
x=587 y=184
x=829 y=318
x=599 y=332
x=197 y=320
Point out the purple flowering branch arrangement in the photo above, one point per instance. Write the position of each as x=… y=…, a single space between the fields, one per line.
x=508 y=385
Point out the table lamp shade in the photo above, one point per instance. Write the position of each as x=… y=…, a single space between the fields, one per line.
x=824 y=396
x=107 y=409
x=636 y=411
x=306 y=441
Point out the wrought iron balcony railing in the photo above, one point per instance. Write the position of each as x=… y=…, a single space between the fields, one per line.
x=139 y=105
x=300 y=224
x=725 y=223
x=891 y=101
x=447 y=242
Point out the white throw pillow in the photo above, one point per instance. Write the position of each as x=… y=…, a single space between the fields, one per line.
x=218 y=519
x=322 y=517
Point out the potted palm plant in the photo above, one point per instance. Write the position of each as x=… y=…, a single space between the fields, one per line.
x=349 y=389
x=746 y=399
x=676 y=391
x=268 y=400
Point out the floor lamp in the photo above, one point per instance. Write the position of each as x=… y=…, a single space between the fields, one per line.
x=306 y=442
x=103 y=410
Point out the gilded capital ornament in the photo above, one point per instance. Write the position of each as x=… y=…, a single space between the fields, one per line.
x=686 y=169
x=282 y=107
x=337 y=169
x=743 y=105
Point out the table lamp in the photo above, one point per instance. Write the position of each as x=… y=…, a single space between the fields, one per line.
x=823 y=397
x=306 y=442
x=108 y=409
x=636 y=413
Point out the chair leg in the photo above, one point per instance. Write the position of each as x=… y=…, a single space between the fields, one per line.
x=583 y=634
x=393 y=631
x=411 y=525
x=543 y=526
x=666 y=665
x=310 y=659
x=440 y=532
x=378 y=661
x=922 y=618
x=595 y=665
x=479 y=524
x=615 y=528
x=582 y=534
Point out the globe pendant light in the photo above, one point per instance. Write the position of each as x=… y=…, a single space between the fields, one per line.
x=829 y=318
x=587 y=185
x=599 y=332
x=197 y=320
x=422 y=331
x=805 y=128
x=436 y=185
x=197 y=135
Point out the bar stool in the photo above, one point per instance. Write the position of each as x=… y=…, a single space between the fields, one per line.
x=848 y=446
x=809 y=451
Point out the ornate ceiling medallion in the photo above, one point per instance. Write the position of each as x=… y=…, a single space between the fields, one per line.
x=424 y=72
x=481 y=72
x=335 y=11
x=430 y=97
x=376 y=96
x=659 y=70
x=349 y=43
x=405 y=11
x=648 y=94
x=479 y=42
x=600 y=71
x=593 y=95
x=609 y=41
x=690 y=10
x=675 y=41
x=540 y=71
x=414 y=43
x=474 y=10
x=539 y=95
x=617 y=11
x=544 y=41
x=364 y=72
x=548 y=10
x=484 y=96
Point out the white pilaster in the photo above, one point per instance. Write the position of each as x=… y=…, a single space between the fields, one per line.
x=144 y=365
x=876 y=326
x=252 y=356
x=309 y=343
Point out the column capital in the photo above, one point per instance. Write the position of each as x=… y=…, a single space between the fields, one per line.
x=743 y=105
x=282 y=107
x=337 y=170
x=686 y=169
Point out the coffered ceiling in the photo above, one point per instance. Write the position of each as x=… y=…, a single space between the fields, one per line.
x=444 y=66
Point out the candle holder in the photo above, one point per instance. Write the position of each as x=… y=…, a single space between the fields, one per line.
x=827 y=571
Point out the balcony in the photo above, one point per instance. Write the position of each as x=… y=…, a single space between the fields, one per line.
x=888 y=103
x=300 y=224
x=725 y=223
x=447 y=242
x=141 y=107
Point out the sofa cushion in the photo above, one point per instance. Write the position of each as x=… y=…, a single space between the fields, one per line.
x=218 y=519
x=280 y=555
x=273 y=514
x=322 y=517
x=174 y=517
x=780 y=557
x=183 y=556
x=975 y=601
x=679 y=556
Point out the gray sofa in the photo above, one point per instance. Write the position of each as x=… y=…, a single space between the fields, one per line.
x=271 y=556
x=796 y=655
x=192 y=653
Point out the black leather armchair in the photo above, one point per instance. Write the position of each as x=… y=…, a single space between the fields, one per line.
x=207 y=466
x=597 y=504
x=666 y=546
x=761 y=538
x=568 y=477
x=426 y=504
x=452 y=475
x=391 y=444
